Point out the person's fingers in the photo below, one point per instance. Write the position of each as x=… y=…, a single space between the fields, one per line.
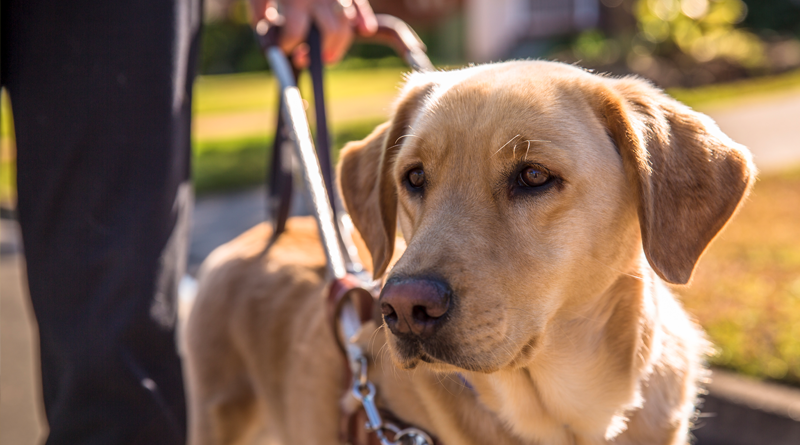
x=335 y=18
x=366 y=23
x=300 y=56
x=334 y=25
x=257 y=10
x=295 y=26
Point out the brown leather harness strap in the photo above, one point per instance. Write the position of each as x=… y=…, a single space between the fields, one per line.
x=348 y=287
x=353 y=425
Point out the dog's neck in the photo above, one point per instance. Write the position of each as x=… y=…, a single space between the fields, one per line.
x=586 y=374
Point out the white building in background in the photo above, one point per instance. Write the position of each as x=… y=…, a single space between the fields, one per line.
x=494 y=27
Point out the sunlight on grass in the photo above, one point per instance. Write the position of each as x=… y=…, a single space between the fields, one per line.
x=8 y=177
x=242 y=92
x=6 y=123
x=7 y=180
x=712 y=96
x=746 y=292
x=234 y=164
x=251 y=91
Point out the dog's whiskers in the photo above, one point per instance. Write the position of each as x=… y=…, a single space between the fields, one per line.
x=374 y=335
x=393 y=146
x=442 y=384
x=504 y=145
x=406 y=136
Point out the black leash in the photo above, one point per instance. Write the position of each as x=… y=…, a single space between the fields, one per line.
x=323 y=144
x=280 y=178
x=279 y=192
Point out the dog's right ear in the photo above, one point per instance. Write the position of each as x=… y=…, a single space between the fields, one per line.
x=365 y=176
x=690 y=178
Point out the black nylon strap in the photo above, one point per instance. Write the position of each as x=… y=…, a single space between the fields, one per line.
x=280 y=179
x=279 y=193
x=323 y=137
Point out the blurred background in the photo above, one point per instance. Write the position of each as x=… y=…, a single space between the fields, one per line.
x=736 y=60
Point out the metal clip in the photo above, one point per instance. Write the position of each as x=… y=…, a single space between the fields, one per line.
x=411 y=436
x=364 y=392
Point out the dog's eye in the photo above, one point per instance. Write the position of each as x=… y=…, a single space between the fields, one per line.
x=416 y=177
x=533 y=177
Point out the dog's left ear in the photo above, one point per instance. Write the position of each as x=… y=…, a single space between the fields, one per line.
x=365 y=175
x=690 y=177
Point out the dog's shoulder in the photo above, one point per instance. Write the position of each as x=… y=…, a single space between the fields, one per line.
x=297 y=248
x=244 y=277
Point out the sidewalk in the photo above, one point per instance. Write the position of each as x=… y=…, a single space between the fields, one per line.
x=769 y=127
x=218 y=219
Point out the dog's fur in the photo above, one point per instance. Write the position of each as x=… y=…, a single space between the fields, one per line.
x=561 y=320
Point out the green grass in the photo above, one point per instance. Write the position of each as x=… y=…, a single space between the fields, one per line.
x=746 y=291
x=219 y=166
x=7 y=181
x=7 y=167
x=254 y=91
x=742 y=90
x=6 y=123
x=242 y=92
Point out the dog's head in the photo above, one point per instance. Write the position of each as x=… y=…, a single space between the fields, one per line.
x=523 y=188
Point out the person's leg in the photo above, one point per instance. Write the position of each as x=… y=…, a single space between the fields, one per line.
x=101 y=94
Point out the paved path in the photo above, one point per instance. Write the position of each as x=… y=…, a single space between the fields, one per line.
x=769 y=127
x=221 y=218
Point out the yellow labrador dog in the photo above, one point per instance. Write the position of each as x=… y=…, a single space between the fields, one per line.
x=544 y=210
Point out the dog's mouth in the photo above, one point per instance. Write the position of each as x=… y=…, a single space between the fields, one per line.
x=410 y=352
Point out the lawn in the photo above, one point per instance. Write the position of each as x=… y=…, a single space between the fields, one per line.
x=234 y=164
x=725 y=94
x=746 y=291
x=7 y=170
x=7 y=179
x=357 y=101
x=243 y=92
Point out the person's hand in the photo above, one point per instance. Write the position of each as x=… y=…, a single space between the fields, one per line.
x=337 y=20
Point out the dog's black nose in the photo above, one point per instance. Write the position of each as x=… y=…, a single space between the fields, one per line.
x=415 y=306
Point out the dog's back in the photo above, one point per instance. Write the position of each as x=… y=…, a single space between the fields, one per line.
x=251 y=311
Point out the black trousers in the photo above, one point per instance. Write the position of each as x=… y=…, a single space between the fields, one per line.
x=101 y=97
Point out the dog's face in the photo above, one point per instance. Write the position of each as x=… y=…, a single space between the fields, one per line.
x=526 y=189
